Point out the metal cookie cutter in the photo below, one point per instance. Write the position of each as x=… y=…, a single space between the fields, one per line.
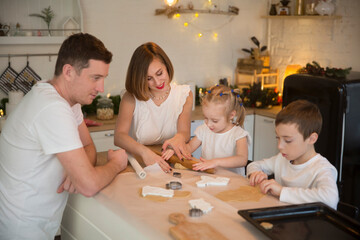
x=177 y=174
x=174 y=185
x=195 y=212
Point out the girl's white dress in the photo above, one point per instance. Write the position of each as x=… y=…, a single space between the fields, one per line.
x=152 y=124
x=221 y=145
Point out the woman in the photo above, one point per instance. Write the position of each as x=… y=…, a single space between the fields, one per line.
x=153 y=110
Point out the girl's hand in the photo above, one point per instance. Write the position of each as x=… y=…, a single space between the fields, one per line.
x=257 y=177
x=204 y=164
x=167 y=154
x=177 y=143
x=271 y=186
x=152 y=158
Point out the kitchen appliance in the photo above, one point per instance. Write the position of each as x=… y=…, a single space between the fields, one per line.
x=305 y=221
x=339 y=140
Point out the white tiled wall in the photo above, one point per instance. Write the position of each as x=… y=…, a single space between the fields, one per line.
x=333 y=43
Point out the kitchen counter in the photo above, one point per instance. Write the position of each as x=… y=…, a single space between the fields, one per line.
x=196 y=115
x=119 y=212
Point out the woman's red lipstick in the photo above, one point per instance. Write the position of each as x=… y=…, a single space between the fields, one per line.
x=161 y=87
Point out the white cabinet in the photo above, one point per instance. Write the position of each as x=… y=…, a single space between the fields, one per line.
x=103 y=140
x=249 y=126
x=194 y=125
x=265 y=144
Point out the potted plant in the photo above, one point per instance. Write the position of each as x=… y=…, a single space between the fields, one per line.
x=47 y=15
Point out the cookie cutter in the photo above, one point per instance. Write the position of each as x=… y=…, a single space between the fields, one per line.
x=195 y=212
x=174 y=185
x=177 y=174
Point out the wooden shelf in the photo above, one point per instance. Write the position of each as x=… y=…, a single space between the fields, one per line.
x=172 y=11
x=317 y=17
x=31 y=40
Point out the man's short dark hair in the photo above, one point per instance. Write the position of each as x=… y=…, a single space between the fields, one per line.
x=78 y=49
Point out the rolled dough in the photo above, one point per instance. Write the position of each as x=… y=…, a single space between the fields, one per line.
x=242 y=194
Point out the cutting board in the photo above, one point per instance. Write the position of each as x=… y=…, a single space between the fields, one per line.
x=185 y=230
x=174 y=159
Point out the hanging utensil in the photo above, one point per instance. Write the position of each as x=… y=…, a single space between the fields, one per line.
x=26 y=79
x=7 y=79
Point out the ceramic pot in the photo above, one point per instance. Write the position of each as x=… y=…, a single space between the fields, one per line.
x=325 y=7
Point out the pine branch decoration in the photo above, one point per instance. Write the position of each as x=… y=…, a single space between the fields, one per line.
x=47 y=15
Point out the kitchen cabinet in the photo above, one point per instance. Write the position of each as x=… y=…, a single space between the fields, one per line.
x=249 y=126
x=265 y=144
x=103 y=140
x=194 y=125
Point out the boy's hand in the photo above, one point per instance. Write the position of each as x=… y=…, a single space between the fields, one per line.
x=257 y=177
x=204 y=164
x=271 y=186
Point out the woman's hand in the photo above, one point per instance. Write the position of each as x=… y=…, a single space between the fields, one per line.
x=257 y=177
x=271 y=186
x=152 y=158
x=205 y=164
x=167 y=154
x=178 y=144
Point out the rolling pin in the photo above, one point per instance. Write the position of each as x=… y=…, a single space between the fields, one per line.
x=174 y=159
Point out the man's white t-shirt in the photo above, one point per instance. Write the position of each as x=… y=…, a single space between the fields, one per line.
x=42 y=125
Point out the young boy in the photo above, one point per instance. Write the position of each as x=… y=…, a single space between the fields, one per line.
x=301 y=174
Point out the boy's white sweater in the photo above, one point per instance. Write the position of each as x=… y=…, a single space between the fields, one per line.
x=312 y=181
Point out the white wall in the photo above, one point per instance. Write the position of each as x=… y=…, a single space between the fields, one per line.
x=125 y=24
x=332 y=43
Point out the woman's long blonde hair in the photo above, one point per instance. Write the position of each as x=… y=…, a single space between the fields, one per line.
x=231 y=100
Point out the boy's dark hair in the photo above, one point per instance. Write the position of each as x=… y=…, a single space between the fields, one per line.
x=304 y=114
x=78 y=49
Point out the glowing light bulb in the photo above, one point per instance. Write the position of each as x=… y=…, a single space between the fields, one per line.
x=215 y=35
x=170 y=2
x=186 y=24
x=200 y=35
x=177 y=15
x=196 y=14
x=108 y=95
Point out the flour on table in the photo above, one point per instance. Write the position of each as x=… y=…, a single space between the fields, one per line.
x=210 y=181
x=157 y=191
x=201 y=204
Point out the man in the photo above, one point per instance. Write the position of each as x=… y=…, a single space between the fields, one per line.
x=46 y=148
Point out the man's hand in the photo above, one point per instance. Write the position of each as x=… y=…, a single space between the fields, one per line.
x=119 y=157
x=66 y=185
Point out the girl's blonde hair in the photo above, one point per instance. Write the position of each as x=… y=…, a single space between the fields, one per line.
x=230 y=98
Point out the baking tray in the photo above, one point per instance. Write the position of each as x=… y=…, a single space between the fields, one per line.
x=303 y=221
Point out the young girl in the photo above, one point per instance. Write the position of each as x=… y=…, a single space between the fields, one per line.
x=224 y=141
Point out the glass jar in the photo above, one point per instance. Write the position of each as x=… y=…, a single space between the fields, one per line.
x=104 y=109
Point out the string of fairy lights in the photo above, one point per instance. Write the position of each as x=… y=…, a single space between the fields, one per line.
x=192 y=20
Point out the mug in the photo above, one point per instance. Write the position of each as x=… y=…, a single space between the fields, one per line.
x=4 y=29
